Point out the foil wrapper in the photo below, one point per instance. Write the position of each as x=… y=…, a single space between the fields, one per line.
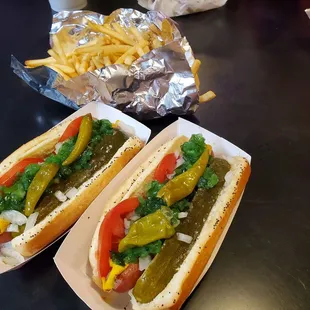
x=158 y=83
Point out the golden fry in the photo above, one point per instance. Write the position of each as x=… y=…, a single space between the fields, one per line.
x=97 y=63
x=107 y=61
x=76 y=63
x=91 y=68
x=64 y=75
x=207 y=96
x=156 y=43
x=39 y=62
x=59 y=50
x=166 y=31
x=88 y=49
x=140 y=51
x=114 y=58
x=139 y=38
x=85 y=63
x=72 y=75
x=107 y=26
x=114 y=49
x=116 y=35
x=196 y=66
x=154 y=29
x=146 y=35
x=146 y=49
x=115 y=41
x=130 y=52
x=129 y=60
x=65 y=69
x=93 y=26
x=54 y=55
x=119 y=29
x=197 y=81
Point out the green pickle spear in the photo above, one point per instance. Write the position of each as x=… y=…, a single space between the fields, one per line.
x=38 y=185
x=83 y=138
x=184 y=184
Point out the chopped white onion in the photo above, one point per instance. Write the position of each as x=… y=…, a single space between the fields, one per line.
x=228 y=177
x=180 y=161
x=12 y=228
x=176 y=154
x=170 y=176
x=9 y=252
x=71 y=192
x=6 y=245
x=184 y=238
x=126 y=223
x=31 y=221
x=182 y=215
x=144 y=262
x=135 y=217
x=57 y=147
x=14 y=217
x=60 y=196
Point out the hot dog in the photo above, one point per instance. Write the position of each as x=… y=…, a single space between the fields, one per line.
x=48 y=183
x=159 y=230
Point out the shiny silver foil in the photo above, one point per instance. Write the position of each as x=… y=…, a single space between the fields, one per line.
x=157 y=84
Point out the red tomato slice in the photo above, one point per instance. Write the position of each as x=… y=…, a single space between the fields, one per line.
x=106 y=232
x=72 y=129
x=9 y=177
x=127 y=279
x=119 y=229
x=115 y=243
x=5 y=237
x=166 y=166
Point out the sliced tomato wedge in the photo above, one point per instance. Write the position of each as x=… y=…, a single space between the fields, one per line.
x=9 y=177
x=127 y=279
x=109 y=226
x=5 y=237
x=166 y=166
x=119 y=229
x=115 y=243
x=72 y=129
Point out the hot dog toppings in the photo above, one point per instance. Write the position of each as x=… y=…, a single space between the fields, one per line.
x=167 y=202
x=31 y=185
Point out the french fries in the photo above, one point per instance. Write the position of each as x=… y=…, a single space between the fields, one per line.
x=196 y=66
x=114 y=44
x=207 y=96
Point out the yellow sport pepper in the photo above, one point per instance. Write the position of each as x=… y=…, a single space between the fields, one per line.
x=152 y=227
x=83 y=138
x=184 y=184
x=38 y=185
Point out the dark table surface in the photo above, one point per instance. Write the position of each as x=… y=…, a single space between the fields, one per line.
x=255 y=56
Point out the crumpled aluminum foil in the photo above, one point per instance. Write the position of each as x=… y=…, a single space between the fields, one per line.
x=157 y=84
x=181 y=7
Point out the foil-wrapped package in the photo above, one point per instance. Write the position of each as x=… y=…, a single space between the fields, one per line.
x=158 y=83
x=181 y=7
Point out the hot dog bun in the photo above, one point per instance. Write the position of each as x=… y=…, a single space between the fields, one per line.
x=183 y=282
x=132 y=186
x=60 y=219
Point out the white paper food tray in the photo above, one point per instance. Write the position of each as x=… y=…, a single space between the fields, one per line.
x=100 y=111
x=72 y=257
